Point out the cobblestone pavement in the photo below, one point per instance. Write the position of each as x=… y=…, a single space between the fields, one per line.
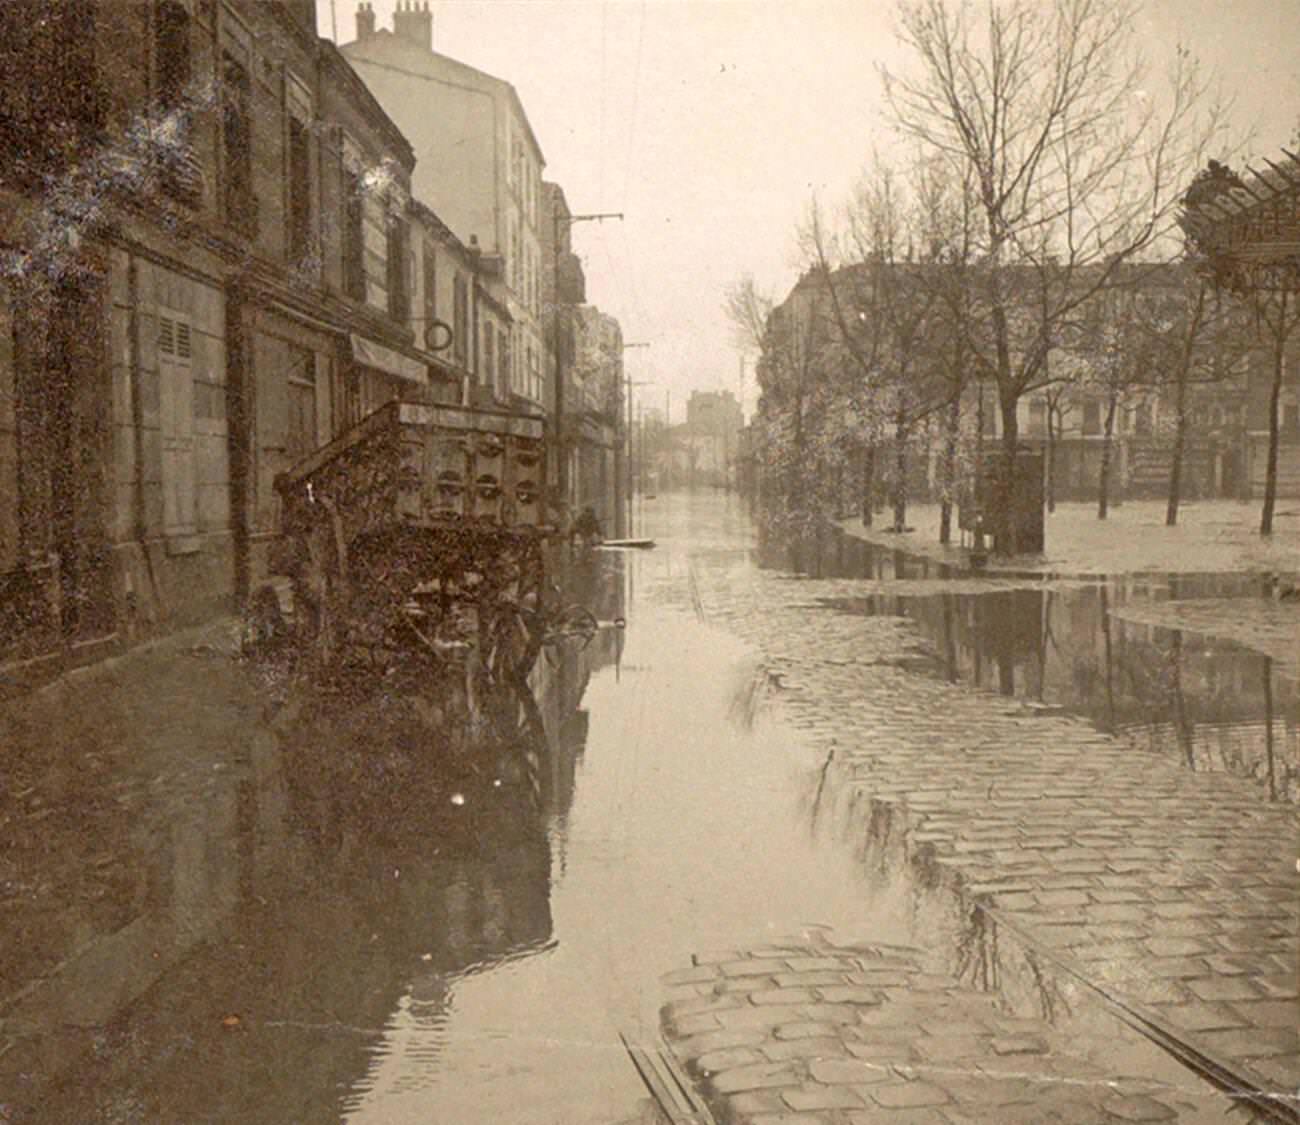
x=800 y=1033
x=1174 y=893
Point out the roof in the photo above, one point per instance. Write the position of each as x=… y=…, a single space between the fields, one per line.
x=1247 y=227
x=367 y=102
x=416 y=56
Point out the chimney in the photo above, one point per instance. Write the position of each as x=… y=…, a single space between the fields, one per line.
x=365 y=20
x=413 y=22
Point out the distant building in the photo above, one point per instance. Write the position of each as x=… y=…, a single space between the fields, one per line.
x=707 y=446
x=478 y=165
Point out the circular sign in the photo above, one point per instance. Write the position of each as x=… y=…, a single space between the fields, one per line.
x=438 y=336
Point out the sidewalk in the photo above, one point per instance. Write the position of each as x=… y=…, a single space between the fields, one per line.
x=1171 y=893
x=810 y=1032
x=1211 y=536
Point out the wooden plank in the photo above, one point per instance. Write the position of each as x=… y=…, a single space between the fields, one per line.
x=668 y=1083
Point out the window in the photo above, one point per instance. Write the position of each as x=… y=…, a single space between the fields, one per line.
x=1037 y=417
x=399 y=304
x=237 y=147
x=1091 y=418
x=176 y=418
x=300 y=189
x=489 y=351
x=460 y=314
x=172 y=54
x=506 y=375
x=1142 y=419
x=300 y=439
x=430 y=265
x=354 y=254
x=51 y=101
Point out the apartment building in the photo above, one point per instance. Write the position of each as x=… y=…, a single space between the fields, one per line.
x=478 y=165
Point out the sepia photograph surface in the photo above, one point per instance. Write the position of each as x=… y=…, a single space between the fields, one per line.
x=649 y=562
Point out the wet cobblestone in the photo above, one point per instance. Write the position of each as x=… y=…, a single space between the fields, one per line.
x=922 y=1049
x=1174 y=892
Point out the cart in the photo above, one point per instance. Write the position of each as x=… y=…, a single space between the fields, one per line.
x=415 y=540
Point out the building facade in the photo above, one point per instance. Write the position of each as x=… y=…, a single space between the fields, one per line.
x=211 y=266
x=479 y=165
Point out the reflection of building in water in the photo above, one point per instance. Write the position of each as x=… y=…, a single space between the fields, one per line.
x=293 y=882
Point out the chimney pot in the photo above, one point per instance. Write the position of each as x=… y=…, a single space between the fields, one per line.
x=365 y=20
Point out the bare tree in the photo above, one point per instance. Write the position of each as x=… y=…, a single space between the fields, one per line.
x=1077 y=151
x=1277 y=316
x=747 y=310
x=883 y=305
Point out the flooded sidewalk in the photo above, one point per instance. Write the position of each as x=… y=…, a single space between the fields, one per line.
x=1168 y=893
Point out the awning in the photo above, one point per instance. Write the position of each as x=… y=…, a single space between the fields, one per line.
x=387 y=360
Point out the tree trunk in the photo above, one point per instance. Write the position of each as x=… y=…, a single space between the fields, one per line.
x=1274 y=420
x=1051 y=459
x=900 y=472
x=1107 y=439
x=868 y=485
x=1005 y=525
x=1180 y=446
x=949 y=470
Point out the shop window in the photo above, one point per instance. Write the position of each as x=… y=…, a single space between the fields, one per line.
x=354 y=252
x=300 y=190
x=237 y=147
x=176 y=420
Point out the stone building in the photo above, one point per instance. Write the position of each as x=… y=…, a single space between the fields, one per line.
x=209 y=269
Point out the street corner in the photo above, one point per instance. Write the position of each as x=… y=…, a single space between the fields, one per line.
x=814 y=1033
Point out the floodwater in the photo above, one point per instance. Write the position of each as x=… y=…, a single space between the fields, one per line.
x=221 y=907
x=1204 y=667
x=220 y=902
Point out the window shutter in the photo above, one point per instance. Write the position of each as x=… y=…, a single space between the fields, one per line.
x=176 y=379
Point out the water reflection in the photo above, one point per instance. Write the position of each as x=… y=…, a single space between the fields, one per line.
x=212 y=912
x=1214 y=703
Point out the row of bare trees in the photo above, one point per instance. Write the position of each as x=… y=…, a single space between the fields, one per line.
x=1027 y=243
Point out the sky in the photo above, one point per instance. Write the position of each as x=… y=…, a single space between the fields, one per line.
x=711 y=124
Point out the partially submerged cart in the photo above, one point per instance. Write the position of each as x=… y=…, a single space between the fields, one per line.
x=415 y=539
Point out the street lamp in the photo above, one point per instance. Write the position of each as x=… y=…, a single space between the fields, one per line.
x=562 y=223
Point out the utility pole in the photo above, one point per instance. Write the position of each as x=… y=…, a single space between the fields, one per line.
x=623 y=450
x=562 y=223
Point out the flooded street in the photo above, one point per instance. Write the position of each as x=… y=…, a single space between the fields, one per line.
x=226 y=905
x=311 y=920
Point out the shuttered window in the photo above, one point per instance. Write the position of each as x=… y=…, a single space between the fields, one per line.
x=176 y=408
